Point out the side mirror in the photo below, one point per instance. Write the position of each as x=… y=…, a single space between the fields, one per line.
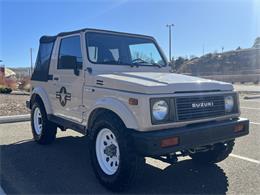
x=77 y=67
x=69 y=62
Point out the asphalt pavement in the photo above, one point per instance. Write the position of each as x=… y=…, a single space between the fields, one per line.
x=64 y=167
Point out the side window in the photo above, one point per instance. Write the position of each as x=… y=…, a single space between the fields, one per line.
x=41 y=69
x=70 y=53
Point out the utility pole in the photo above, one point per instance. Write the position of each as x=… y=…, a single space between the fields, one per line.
x=31 y=50
x=203 y=50
x=169 y=26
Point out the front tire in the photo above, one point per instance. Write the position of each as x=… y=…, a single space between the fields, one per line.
x=218 y=153
x=43 y=130
x=113 y=159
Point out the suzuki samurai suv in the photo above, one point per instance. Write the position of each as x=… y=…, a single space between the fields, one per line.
x=117 y=89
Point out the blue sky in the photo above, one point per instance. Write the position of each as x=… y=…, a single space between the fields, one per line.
x=212 y=23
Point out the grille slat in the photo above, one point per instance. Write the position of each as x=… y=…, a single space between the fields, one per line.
x=189 y=108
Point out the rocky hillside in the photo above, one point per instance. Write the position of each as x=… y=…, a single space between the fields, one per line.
x=237 y=62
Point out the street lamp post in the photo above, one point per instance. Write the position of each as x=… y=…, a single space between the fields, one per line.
x=31 y=58
x=169 y=26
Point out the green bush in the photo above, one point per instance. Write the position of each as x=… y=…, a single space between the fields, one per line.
x=5 y=90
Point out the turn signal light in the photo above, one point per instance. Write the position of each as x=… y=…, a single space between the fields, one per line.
x=133 y=101
x=173 y=141
x=238 y=128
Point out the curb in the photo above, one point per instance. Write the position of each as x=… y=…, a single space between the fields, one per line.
x=244 y=91
x=20 y=93
x=14 y=119
x=251 y=97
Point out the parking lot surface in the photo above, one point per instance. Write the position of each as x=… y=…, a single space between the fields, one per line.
x=64 y=167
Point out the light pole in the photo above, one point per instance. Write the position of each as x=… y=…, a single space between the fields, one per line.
x=31 y=58
x=169 y=26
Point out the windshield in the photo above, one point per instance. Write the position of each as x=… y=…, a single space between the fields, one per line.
x=122 y=50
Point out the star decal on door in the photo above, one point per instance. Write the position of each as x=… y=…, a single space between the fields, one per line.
x=63 y=96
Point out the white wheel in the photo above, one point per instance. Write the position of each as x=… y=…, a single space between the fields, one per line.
x=43 y=130
x=107 y=151
x=37 y=121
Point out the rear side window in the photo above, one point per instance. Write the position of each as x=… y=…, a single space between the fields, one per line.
x=41 y=70
x=70 y=49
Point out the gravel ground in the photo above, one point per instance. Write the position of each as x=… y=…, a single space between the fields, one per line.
x=13 y=105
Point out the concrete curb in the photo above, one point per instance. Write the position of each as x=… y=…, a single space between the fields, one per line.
x=14 y=119
x=244 y=91
x=251 y=97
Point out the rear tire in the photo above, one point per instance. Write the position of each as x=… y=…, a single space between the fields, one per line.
x=219 y=153
x=43 y=130
x=114 y=161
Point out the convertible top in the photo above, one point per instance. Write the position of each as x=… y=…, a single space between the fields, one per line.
x=47 y=39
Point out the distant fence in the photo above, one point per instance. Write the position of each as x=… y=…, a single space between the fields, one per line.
x=241 y=78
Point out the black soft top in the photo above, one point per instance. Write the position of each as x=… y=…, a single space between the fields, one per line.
x=47 y=39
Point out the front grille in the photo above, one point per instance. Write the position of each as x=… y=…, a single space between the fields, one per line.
x=198 y=107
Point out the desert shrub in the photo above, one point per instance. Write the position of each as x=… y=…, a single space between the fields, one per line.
x=5 y=90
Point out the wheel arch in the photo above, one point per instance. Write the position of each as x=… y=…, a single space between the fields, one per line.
x=114 y=107
x=38 y=94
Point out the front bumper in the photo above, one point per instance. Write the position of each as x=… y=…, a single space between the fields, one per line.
x=190 y=137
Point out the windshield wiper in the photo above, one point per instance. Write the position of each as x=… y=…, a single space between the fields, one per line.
x=135 y=63
x=115 y=62
x=157 y=65
x=139 y=61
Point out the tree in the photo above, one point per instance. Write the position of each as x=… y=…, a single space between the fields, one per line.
x=257 y=43
x=192 y=57
x=179 y=62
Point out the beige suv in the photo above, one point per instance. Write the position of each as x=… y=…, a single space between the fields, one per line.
x=117 y=89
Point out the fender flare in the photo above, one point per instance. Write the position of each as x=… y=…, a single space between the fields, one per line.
x=119 y=108
x=43 y=95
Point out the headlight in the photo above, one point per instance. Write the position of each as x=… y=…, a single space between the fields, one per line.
x=160 y=110
x=229 y=103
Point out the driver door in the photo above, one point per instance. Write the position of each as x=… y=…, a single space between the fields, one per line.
x=68 y=79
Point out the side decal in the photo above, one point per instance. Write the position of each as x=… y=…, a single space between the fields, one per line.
x=63 y=96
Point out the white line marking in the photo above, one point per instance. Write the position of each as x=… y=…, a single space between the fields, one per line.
x=250 y=108
x=254 y=123
x=251 y=100
x=2 y=192
x=245 y=158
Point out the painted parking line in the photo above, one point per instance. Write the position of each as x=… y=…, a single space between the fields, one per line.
x=245 y=158
x=251 y=100
x=254 y=123
x=250 y=108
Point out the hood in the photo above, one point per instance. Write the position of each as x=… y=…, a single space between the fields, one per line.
x=157 y=83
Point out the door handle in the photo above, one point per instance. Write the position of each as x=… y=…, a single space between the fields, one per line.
x=56 y=78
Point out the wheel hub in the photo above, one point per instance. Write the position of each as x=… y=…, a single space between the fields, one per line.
x=110 y=150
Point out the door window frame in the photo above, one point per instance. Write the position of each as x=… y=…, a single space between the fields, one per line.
x=58 y=52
